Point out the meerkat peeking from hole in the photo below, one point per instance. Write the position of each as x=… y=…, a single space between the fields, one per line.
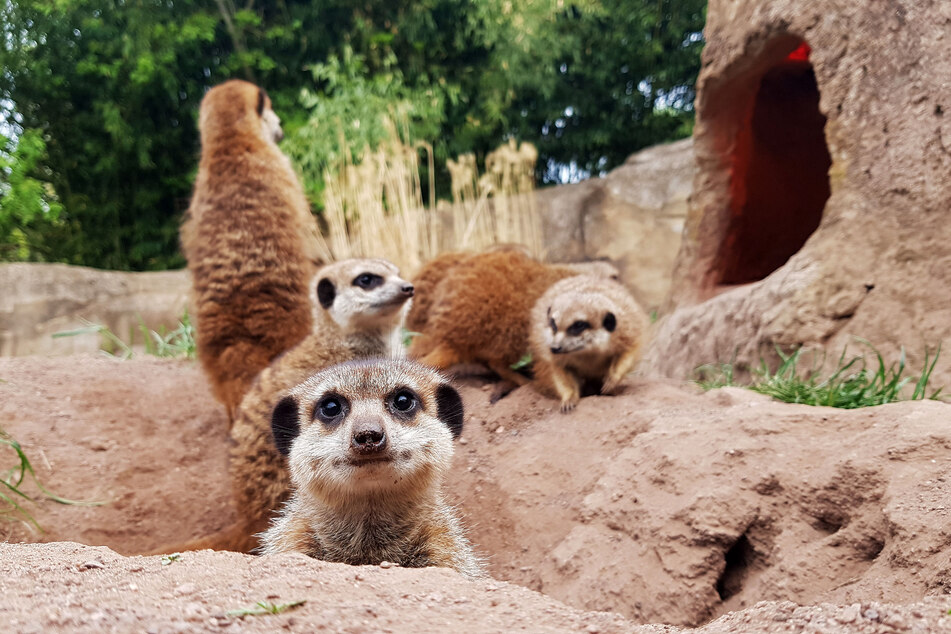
x=586 y=335
x=368 y=444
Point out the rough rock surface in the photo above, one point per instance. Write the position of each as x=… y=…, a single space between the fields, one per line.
x=883 y=245
x=39 y=300
x=633 y=216
x=662 y=504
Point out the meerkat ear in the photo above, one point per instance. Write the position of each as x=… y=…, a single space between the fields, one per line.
x=610 y=322
x=449 y=408
x=285 y=425
x=326 y=293
x=262 y=100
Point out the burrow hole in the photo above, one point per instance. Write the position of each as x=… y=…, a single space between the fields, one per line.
x=738 y=558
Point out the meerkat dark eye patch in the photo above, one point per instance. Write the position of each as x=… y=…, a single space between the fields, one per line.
x=449 y=408
x=610 y=322
x=326 y=292
x=367 y=281
x=577 y=328
x=331 y=409
x=554 y=326
x=284 y=424
x=262 y=101
x=403 y=403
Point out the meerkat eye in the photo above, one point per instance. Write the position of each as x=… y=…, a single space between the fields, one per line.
x=404 y=401
x=554 y=326
x=366 y=281
x=577 y=328
x=330 y=409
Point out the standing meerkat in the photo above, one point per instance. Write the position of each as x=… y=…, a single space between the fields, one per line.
x=481 y=309
x=359 y=309
x=250 y=240
x=586 y=335
x=368 y=444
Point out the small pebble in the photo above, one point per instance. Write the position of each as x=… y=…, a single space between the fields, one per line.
x=499 y=429
x=386 y=564
x=90 y=565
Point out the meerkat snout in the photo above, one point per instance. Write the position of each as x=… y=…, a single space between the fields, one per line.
x=368 y=437
x=408 y=290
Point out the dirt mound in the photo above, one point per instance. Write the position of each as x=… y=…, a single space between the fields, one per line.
x=66 y=587
x=663 y=504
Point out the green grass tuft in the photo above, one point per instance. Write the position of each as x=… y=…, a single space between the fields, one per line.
x=13 y=481
x=407 y=336
x=522 y=363
x=855 y=381
x=178 y=343
x=265 y=607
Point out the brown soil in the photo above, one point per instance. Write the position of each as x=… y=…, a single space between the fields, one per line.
x=663 y=505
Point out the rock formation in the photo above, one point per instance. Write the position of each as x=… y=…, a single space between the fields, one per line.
x=821 y=200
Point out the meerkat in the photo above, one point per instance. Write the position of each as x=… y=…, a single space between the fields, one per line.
x=360 y=305
x=428 y=279
x=481 y=309
x=250 y=240
x=586 y=332
x=368 y=444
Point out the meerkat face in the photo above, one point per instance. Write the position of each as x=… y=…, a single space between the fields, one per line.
x=579 y=324
x=362 y=294
x=368 y=428
x=270 y=122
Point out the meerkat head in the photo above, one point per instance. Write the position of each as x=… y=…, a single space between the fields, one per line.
x=362 y=294
x=238 y=106
x=580 y=322
x=368 y=429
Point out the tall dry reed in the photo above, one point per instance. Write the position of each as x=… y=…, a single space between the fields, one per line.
x=374 y=207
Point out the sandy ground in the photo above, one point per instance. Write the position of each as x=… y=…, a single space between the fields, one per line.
x=661 y=505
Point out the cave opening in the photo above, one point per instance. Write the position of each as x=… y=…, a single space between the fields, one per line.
x=780 y=173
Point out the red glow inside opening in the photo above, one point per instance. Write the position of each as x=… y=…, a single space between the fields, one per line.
x=801 y=54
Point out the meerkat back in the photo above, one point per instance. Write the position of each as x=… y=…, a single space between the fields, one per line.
x=250 y=241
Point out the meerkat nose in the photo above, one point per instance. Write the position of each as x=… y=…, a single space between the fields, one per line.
x=407 y=290
x=556 y=349
x=368 y=436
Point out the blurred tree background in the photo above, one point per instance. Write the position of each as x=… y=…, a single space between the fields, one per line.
x=99 y=98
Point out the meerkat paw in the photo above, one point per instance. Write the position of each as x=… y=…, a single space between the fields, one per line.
x=610 y=385
x=501 y=390
x=569 y=404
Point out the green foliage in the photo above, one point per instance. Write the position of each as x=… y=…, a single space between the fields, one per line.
x=347 y=114
x=853 y=383
x=112 y=89
x=14 y=480
x=29 y=208
x=265 y=607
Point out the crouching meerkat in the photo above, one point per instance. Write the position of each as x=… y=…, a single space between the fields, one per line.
x=368 y=444
x=586 y=335
x=359 y=306
x=480 y=310
x=250 y=240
